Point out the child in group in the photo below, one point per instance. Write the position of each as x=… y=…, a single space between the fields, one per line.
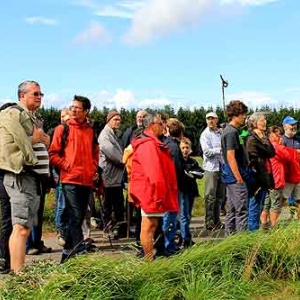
x=192 y=172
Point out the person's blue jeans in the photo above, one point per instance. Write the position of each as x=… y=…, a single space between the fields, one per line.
x=170 y=229
x=59 y=208
x=77 y=199
x=185 y=217
x=256 y=204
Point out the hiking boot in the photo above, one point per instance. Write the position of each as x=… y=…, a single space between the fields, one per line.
x=45 y=249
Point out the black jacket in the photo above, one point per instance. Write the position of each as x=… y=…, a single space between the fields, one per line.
x=259 y=152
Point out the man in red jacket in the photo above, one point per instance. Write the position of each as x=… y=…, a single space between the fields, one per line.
x=77 y=163
x=153 y=180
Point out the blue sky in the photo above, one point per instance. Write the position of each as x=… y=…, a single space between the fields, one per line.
x=136 y=53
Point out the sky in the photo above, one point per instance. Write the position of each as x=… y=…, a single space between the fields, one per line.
x=151 y=53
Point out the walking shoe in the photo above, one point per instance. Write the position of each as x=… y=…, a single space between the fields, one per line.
x=94 y=222
x=222 y=213
x=60 y=240
x=4 y=268
x=45 y=249
x=33 y=251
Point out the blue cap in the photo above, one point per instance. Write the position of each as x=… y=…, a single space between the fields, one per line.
x=289 y=120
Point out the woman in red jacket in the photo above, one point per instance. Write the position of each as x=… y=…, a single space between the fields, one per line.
x=153 y=180
x=285 y=168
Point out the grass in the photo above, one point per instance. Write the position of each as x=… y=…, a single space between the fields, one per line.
x=245 y=266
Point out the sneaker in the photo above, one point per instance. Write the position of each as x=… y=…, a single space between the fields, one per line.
x=222 y=213
x=33 y=251
x=94 y=222
x=60 y=240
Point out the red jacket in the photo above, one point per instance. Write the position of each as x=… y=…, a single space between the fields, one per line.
x=293 y=169
x=153 y=177
x=79 y=162
x=285 y=166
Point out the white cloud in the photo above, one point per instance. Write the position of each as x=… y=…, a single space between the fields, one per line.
x=55 y=100
x=248 y=2
x=255 y=99
x=158 y=18
x=94 y=34
x=38 y=20
x=114 y=12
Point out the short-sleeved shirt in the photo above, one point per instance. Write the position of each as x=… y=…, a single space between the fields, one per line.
x=231 y=140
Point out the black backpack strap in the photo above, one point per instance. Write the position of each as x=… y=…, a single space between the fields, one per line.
x=64 y=138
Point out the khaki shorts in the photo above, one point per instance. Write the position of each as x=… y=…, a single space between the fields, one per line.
x=274 y=200
x=24 y=199
x=144 y=214
x=291 y=189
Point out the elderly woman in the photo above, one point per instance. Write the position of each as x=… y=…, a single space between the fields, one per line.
x=153 y=180
x=260 y=150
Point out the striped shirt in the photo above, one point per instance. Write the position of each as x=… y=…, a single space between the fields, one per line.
x=42 y=167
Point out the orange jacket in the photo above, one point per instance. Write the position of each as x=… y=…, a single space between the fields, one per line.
x=79 y=161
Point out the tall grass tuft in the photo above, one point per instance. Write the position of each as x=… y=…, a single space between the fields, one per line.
x=245 y=266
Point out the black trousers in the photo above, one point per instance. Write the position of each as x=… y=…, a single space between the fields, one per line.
x=5 y=223
x=113 y=202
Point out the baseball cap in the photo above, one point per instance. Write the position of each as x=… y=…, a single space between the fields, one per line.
x=289 y=120
x=212 y=115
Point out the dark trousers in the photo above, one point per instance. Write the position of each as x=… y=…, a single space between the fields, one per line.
x=35 y=237
x=77 y=199
x=214 y=193
x=113 y=202
x=6 y=226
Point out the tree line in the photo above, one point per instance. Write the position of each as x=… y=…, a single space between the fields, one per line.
x=194 y=120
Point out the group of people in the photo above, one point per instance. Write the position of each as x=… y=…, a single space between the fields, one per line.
x=251 y=172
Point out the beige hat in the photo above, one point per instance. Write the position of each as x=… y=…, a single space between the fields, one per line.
x=211 y=115
x=112 y=114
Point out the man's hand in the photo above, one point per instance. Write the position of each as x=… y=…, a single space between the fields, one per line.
x=37 y=135
x=46 y=140
x=240 y=180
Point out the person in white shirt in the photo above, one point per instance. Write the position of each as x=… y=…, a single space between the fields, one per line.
x=214 y=193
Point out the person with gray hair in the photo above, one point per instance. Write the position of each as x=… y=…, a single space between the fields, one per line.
x=153 y=181
x=260 y=150
x=129 y=133
x=20 y=130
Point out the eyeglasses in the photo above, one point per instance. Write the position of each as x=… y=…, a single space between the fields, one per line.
x=37 y=94
x=75 y=107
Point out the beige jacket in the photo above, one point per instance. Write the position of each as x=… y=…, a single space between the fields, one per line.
x=15 y=145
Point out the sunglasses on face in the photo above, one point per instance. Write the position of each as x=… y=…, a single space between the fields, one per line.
x=37 y=94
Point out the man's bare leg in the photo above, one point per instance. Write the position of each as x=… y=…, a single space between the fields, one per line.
x=17 y=246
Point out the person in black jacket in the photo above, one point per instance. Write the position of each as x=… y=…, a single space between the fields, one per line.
x=175 y=131
x=192 y=172
x=260 y=150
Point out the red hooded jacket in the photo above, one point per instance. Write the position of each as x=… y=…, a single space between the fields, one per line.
x=285 y=166
x=153 y=177
x=79 y=161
